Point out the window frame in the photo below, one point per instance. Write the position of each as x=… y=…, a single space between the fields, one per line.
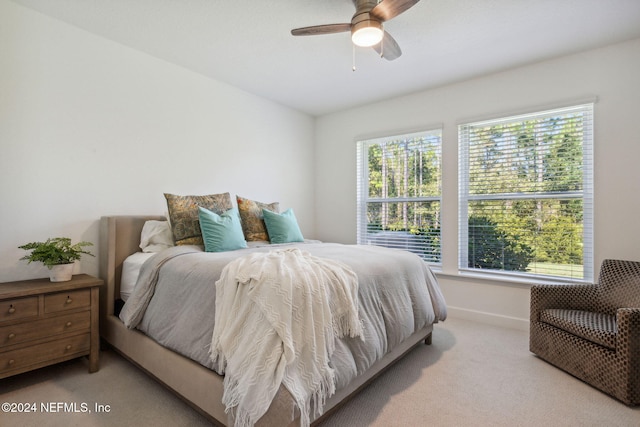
x=586 y=194
x=362 y=192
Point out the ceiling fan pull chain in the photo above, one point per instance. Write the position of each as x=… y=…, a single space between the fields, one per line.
x=353 y=68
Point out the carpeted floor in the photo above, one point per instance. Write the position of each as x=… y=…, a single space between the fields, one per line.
x=472 y=375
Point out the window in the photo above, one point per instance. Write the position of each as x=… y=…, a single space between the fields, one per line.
x=526 y=194
x=399 y=193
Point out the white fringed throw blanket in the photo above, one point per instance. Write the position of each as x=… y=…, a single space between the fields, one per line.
x=277 y=317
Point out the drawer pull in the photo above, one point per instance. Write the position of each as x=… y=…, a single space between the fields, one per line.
x=11 y=336
x=12 y=310
x=68 y=324
x=68 y=347
x=11 y=362
x=68 y=301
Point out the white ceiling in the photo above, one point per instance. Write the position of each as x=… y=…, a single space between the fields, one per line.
x=247 y=43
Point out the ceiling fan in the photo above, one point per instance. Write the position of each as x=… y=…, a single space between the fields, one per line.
x=366 y=26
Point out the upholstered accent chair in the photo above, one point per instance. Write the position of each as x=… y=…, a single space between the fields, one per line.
x=592 y=331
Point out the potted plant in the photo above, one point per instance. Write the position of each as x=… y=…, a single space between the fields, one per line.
x=58 y=254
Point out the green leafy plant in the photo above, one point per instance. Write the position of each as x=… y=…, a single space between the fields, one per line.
x=55 y=251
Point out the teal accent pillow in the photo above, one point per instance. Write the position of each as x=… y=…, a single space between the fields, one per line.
x=282 y=227
x=221 y=233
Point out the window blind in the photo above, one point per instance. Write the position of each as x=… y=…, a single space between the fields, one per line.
x=526 y=194
x=399 y=193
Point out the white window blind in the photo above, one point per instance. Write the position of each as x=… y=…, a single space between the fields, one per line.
x=526 y=194
x=399 y=192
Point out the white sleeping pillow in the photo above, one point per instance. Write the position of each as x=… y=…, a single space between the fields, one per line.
x=156 y=236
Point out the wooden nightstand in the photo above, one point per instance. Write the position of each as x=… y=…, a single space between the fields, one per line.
x=42 y=323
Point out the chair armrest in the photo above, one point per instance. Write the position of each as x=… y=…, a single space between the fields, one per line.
x=628 y=346
x=569 y=296
x=628 y=320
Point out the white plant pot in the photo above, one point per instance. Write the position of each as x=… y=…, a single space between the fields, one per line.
x=61 y=272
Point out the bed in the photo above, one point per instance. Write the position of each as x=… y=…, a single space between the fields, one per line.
x=200 y=386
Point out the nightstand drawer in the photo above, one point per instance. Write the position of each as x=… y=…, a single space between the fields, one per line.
x=18 y=308
x=75 y=322
x=61 y=349
x=67 y=301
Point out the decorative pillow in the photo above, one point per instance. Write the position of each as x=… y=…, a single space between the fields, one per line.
x=252 y=220
x=282 y=228
x=183 y=214
x=155 y=236
x=221 y=232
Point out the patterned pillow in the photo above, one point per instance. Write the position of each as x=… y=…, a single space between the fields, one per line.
x=252 y=220
x=183 y=215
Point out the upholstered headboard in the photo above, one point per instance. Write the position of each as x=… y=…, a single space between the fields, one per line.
x=119 y=238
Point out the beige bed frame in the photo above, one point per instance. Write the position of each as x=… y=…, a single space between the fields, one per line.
x=197 y=385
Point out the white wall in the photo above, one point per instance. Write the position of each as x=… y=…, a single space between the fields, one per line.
x=609 y=73
x=89 y=127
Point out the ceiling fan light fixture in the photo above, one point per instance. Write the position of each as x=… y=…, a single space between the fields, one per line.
x=366 y=33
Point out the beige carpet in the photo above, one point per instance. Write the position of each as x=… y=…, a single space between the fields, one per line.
x=472 y=375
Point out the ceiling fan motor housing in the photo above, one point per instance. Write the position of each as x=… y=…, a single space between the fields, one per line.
x=364 y=22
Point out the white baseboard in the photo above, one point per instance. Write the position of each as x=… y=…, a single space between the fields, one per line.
x=488 y=318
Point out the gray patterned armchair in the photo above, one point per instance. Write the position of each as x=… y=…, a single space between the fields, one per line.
x=593 y=331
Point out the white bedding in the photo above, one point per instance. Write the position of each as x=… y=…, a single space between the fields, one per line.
x=155 y=237
x=130 y=272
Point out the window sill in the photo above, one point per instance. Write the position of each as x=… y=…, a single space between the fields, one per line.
x=502 y=280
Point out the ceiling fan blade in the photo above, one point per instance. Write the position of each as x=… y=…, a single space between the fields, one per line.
x=321 y=29
x=388 y=48
x=388 y=9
